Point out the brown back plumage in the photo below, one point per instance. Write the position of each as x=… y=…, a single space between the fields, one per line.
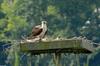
x=36 y=31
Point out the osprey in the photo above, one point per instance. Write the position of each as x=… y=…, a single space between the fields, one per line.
x=39 y=31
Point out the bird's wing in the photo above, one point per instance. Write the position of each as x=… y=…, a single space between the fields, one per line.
x=45 y=34
x=36 y=31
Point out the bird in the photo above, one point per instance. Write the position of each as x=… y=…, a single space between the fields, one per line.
x=39 y=31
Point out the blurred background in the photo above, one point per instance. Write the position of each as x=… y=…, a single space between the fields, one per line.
x=66 y=18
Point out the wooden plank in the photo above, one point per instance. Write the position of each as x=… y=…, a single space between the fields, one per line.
x=61 y=46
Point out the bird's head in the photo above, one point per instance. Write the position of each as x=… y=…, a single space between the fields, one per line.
x=44 y=22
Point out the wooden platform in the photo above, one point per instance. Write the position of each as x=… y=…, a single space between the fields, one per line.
x=58 y=46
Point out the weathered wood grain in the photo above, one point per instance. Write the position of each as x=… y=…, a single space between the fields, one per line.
x=58 y=46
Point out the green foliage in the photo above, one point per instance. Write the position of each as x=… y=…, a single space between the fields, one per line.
x=52 y=10
x=12 y=25
x=68 y=18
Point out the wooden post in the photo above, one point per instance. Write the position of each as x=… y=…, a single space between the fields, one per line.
x=77 y=60
x=56 y=59
x=58 y=46
x=29 y=59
